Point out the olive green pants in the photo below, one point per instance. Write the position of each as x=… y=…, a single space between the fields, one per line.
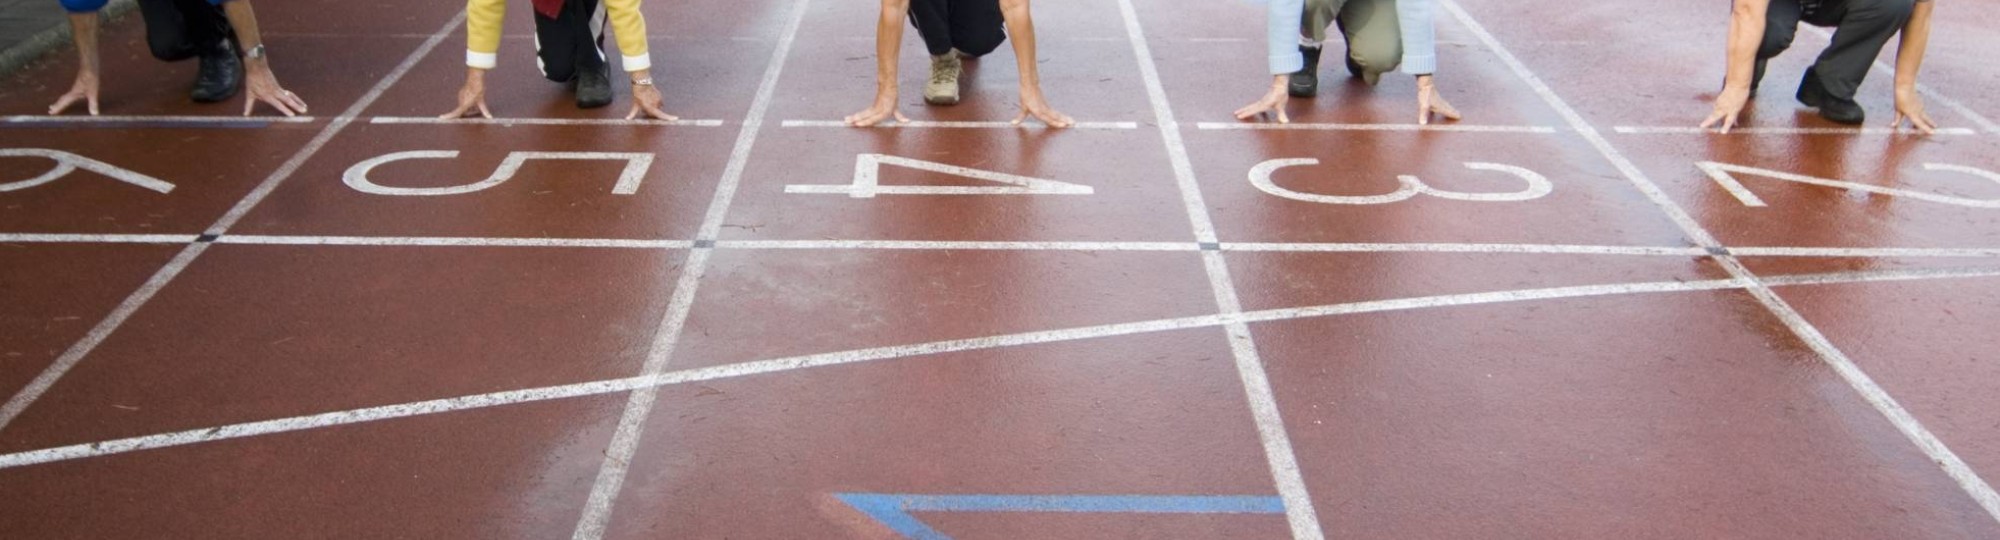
x=1374 y=38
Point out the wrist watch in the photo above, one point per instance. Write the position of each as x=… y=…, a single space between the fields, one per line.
x=642 y=82
x=255 y=53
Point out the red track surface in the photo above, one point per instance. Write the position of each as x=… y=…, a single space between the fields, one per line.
x=262 y=350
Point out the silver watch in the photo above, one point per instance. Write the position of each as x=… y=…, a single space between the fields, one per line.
x=255 y=53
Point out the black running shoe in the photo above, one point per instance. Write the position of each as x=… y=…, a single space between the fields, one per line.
x=220 y=74
x=1305 y=83
x=1836 y=110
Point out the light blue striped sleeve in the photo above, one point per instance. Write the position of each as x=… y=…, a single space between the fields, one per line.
x=1418 y=19
x=1281 y=20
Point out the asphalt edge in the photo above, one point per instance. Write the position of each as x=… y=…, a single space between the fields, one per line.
x=32 y=49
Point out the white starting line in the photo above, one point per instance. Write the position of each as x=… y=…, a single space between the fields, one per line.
x=929 y=245
x=435 y=121
x=1872 y=131
x=927 y=124
x=1441 y=127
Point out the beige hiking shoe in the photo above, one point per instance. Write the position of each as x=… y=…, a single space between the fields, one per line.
x=943 y=86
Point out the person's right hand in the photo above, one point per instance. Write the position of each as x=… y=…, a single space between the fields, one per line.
x=883 y=109
x=1273 y=102
x=470 y=97
x=1728 y=105
x=85 y=89
x=1910 y=106
x=1430 y=102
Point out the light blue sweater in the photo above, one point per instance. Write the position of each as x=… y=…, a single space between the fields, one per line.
x=1417 y=18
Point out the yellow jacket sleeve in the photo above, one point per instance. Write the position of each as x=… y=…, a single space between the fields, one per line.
x=630 y=27
x=482 y=32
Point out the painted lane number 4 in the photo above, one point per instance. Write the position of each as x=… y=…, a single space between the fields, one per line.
x=1724 y=174
x=1538 y=186
x=868 y=184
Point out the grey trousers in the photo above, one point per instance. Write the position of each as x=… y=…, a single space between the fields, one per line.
x=1861 y=29
x=1374 y=37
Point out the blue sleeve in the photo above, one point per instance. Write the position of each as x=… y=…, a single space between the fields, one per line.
x=1419 y=24
x=83 y=6
x=1282 y=19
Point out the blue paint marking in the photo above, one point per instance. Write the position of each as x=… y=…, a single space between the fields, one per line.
x=893 y=510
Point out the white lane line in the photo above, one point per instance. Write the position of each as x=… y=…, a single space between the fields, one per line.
x=639 y=406
x=75 y=354
x=452 y=242
x=1925 y=89
x=1687 y=130
x=430 y=120
x=1462 y=128
x=218 y=121
x=925 y=124
x=1862 y=252
x=1263 y=403
x=965 y=246
x=37 y=238
x=1466 y=248
x=1242 y=247
x=1947 y=460
x=795 y=363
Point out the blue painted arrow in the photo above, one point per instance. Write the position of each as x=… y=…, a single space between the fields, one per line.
x=893 y=510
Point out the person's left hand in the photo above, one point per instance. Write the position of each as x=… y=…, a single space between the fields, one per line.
x=1033 y=104
x=1429 y=102
x=646 y=100
x=1273 y=102
x=1910 y=105
x=84 y=89
x=260 y=85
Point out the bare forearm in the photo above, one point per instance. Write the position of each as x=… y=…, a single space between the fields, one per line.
x=1746 y=35
x=889 y=44
x=244 y=21
x=1910 y=51
x=83 y=30
x=1021 y=27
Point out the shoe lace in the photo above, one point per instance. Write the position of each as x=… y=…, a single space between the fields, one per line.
x=941 y=71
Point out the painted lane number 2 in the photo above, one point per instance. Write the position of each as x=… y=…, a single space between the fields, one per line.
x=1725 y=174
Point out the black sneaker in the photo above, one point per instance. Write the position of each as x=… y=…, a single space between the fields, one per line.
x=1305 y=83
x=593 y=88
x=219 y=76
x=1836 y=110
